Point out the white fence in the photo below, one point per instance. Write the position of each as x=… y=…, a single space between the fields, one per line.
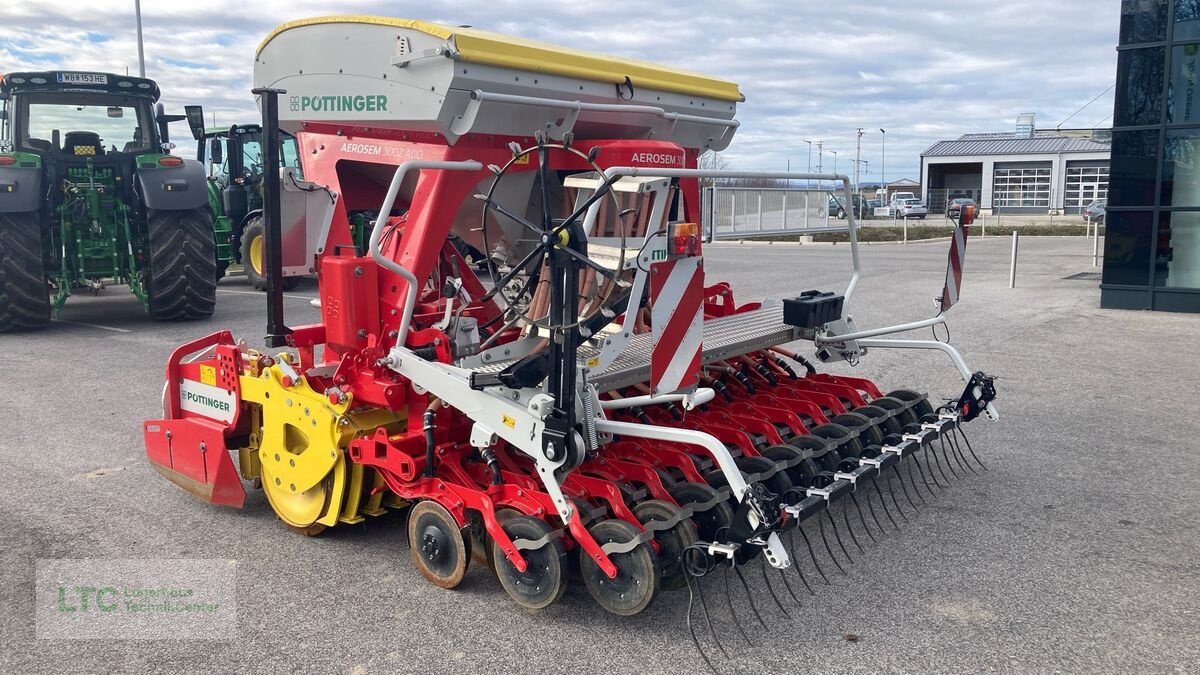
x=736 y=213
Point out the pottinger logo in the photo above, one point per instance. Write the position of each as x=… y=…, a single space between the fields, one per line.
x=353 y=103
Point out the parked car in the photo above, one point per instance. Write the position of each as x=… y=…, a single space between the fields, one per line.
x=911 y=208
x=838 y=210
x=1095 y=210
x=956 y=204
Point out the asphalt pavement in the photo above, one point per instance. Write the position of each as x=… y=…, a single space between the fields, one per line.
x=1077 y=551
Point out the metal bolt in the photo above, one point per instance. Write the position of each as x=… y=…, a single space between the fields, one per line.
x=358 y=271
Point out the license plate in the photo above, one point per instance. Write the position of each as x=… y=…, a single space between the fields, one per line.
x=82 y=78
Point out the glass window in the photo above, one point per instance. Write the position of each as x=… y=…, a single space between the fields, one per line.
x=1021 y=187
x=1143 y=21
x=1183 y=97
x=1181 y=168
x=1177 y=264
x=1187 y=20
x=1127 y=248
x=1139 y=87
x=1085 y=184
x=121 y=123
x=1134 y=168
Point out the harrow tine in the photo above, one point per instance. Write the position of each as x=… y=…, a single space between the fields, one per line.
x=849 y=527
x=904 y=488
x=921 y=470
x=770 y=588
x=958 y=430
x=813 y=555
x=821 y=528
x=837 y=535
x=788 y=586
x=960 y=457
x=881 y=503
x=792 y=542
x=707 y=620
x=938 y=460
x=892 y=492
x=913 y=482
x=749 y=596
x=861 y=517
x=733 y=612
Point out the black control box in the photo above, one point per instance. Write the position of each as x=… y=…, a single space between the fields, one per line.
x=812 y=309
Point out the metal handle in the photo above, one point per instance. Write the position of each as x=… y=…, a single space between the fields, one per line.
x=410 y=293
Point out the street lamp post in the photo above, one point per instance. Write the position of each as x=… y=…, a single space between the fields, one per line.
x=834 y=153
x=137 y=10
x=883 y=163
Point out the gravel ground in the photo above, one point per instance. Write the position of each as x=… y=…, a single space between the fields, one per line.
x=1069 y=554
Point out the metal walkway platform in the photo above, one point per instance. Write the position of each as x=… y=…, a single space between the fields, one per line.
x=723 y=338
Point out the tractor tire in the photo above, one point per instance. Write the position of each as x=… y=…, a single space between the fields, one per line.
x=254 y=246
x=182 y=280
x=24 y=296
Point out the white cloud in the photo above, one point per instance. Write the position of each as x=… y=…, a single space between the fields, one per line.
x=923 y=70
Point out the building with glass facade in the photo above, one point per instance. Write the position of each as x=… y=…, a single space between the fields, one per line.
x=1152 y=241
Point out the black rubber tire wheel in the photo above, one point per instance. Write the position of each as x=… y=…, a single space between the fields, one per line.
x=544 y=580
x=781 y=454
x=923 y=406
x=816 y=445
x=671 y=543
x=437 y=546
x=710 y=523
x=851 y=447
x=871 y=435
x=905 y=418
x=182 y=281
x=883 y=420
x=779 y=483
x=638 y=573
x=24 y=296
x=253 y=265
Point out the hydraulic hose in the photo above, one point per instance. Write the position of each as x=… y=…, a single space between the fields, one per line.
x=429 y=424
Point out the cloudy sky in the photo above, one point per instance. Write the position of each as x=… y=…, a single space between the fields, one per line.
x=923 y=70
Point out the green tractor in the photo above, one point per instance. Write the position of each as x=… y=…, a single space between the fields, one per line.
x=90 y=195
x=232 y=159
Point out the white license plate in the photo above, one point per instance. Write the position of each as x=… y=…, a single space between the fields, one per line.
x=82 y=78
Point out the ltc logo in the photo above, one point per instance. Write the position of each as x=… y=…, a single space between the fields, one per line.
x=77 y=599
x=294 y=104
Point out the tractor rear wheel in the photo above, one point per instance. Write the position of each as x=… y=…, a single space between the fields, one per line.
x=254 y=256
x=24 y=298
x=182 y=283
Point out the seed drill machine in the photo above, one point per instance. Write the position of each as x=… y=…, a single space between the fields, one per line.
x=595 y=402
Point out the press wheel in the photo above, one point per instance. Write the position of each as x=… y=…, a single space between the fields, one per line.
x=638 y=572
x=710 y=523
x=923 y=407
x=502 y=517
x=870 y=434
x=543 y=581
x=671 y=543
x=906 y=416
x=886 y=424
x=436 y=544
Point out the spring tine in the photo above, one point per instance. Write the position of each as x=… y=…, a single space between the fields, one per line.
x=821 y=528
x=942 y=441
x=903 y=487
x=892 y=492
x=958 y=430
x=788 y=585
x=882 y=503
x=849 y=527
x=733 y=612
x=813 y=555
x=921 y=470
x=749 y=596
x=770 y=588
x=837 y=535
x=796 y=566
x=913 y=481
x=960 y=457
x=707 y=620
x=861 y=517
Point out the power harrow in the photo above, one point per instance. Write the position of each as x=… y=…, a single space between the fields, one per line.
x=592 y=409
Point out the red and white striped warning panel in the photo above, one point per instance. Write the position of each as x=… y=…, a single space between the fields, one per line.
x=677 y=317
x=954 y=268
